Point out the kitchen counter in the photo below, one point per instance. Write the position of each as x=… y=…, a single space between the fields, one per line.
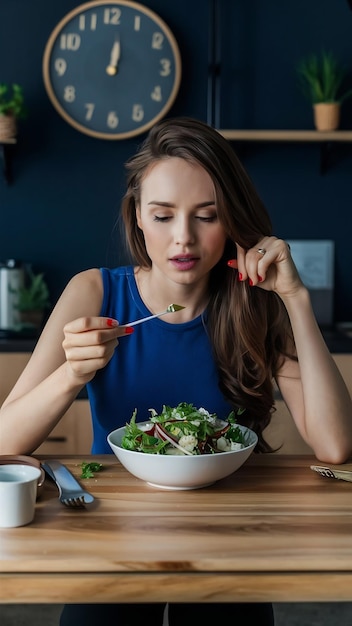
x=338 y=341
x=22 y=344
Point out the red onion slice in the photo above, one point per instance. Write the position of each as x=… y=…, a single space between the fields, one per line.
x=163 y=435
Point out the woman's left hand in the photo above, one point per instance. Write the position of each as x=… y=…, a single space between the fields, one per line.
x=269 y=265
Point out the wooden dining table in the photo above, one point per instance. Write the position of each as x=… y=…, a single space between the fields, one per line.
x=273 y=531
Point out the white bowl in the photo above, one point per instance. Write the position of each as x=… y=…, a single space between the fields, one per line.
x=169 y=471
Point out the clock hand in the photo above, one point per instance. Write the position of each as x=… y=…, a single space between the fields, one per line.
x=114 y=58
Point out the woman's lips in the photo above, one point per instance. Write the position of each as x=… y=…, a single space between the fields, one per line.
x=185 y=262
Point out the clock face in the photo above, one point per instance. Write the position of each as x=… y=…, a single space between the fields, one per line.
x=112 y=69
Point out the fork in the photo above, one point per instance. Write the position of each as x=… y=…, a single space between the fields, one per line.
x=70 y=491
x=172 y=308
x=332 y=473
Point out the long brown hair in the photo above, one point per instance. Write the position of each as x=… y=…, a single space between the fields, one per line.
x=248 y=327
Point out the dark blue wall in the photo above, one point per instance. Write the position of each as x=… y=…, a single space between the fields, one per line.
x=60 y=211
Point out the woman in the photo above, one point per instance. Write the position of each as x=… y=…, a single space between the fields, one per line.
x=199 y=236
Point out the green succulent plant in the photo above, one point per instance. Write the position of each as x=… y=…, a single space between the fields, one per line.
x=12 y=100
x=321 y=78
x=35 y=295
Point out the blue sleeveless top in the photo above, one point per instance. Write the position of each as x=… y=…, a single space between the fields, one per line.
x=160 y=363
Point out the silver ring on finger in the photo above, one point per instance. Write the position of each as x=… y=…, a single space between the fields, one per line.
x=261 y=251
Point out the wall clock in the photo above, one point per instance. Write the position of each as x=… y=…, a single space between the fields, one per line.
x=112 y=69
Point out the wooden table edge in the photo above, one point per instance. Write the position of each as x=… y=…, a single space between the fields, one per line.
x=172 y=587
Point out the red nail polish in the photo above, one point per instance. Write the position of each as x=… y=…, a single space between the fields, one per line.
x=111 y=322
x=239 y=276
x=250 y=282
x=129 y=330
x=260 y=278
x=232 y=263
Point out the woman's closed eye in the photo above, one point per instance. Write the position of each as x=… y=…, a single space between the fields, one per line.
x=161 y=218
x=207 y=218
x=201 y=218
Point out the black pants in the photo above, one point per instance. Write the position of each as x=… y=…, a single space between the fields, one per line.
x=152 y=614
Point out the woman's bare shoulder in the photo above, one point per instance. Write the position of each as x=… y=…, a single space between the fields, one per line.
x=90 y=277
x=88 y=282
x=82 y=296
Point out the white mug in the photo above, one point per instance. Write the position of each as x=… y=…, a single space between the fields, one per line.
x=18 y=493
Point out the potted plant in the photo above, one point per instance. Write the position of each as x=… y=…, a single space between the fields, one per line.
x=12 y=108
x=33 y=300
x=322 y=81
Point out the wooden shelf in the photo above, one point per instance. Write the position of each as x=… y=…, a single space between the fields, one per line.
x=5 y=156
x=287 y=135
x=325 y=139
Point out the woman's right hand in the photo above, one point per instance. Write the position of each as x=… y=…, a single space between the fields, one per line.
x=75 y=342
x=89 y=343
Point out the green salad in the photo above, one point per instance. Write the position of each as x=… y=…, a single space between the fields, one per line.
x=184 y=430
